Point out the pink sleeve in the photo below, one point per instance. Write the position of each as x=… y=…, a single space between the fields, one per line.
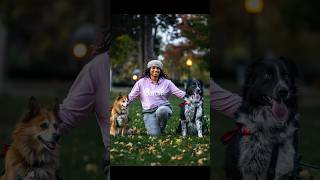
x=223 y=100
x=135 y=92
x=89 y=94
x=79 y=102
x=176 y=91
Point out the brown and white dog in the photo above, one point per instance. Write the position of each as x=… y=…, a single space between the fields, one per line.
x=34 y=148
x=119 y=116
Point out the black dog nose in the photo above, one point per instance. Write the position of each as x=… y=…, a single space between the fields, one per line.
x=283 y=93
x=198 y=91
x=56 y=136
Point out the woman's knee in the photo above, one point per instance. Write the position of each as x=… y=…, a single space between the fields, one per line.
x=154 y=132
x=163 y=111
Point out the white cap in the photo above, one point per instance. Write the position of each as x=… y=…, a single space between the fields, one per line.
x=155 y=62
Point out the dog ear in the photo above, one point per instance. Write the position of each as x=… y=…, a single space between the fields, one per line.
x=201 y=84
x=34 y=106
x=56 y=108
x=249 y=77
x=291 y=65
x=119 y=97
x=34 y=109
x=188 y=88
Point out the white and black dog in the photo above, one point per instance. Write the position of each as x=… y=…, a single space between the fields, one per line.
x=191 y=114
x=265 y=145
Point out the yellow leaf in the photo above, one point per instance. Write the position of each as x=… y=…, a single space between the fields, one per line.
x=178 y=141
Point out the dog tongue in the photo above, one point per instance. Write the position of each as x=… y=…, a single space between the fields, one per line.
x=197 y=97
x=279 y=110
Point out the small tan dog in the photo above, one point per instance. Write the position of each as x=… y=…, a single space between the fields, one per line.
x=119 y=116
x=34 y=149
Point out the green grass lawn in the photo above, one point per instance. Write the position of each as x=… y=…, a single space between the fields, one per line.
x=81 y=148
x=169 y=149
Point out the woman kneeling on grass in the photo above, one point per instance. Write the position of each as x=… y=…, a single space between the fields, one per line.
x=154 y=89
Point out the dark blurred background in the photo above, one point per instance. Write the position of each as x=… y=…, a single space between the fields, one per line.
x=279 y=28
x=43 y=46
x=248 y=30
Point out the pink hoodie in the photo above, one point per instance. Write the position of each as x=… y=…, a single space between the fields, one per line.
x=153 y=95
x=223 y=100
x=89 y=93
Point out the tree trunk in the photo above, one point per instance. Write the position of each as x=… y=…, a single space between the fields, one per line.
x=147 y=39
x=142 y=46
x=150 y=40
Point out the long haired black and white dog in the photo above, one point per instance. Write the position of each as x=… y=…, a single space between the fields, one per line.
x=264 y=147
x=191 y=113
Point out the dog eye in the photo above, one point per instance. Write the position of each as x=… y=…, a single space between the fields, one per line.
x=267 y=76
x=44 y=125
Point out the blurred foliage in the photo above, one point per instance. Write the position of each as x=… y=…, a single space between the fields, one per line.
x=195 y=30
x=126 y=37
x=40 y=32
x=284 y=28
x=123 y=55
x=130 y=24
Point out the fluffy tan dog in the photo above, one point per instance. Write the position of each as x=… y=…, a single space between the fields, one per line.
x=119 y=116
x=34 y=149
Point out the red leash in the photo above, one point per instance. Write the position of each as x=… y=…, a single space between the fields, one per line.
x=183 y=103
x=244 y=131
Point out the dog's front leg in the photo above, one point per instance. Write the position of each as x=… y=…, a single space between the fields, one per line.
x=123 y=130
x=285 y=162
x=199 y=127
x=184 y=127
x=250 y=176
x=12 y=167
x=199 y=121
x=254 y=157
x=10 y=174
x=113 y=126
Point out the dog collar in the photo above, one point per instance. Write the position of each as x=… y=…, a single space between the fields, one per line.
x=241 y=129
x=184 y=103
x=187 y=102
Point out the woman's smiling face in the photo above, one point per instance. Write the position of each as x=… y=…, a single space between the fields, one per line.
x=155 y=71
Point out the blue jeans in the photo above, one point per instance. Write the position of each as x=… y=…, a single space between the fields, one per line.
x=156 y=121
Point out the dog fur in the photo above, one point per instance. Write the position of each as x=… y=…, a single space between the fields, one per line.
x=35 y=146
x=191 y=114
x=119 y=116
x=269 y=113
